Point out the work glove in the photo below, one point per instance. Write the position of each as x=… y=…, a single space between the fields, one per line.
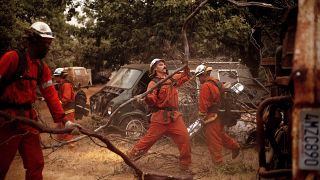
x=70 y=124
x=74 y=126
x=140 y=99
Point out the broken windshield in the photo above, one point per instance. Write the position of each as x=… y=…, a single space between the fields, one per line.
x=124 y=78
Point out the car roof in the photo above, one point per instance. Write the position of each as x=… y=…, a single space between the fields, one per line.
x=75 y=67
x=174 y=64
x=214 y=64
x=137 y=66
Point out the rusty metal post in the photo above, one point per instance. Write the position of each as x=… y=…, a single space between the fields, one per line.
x=306 y=77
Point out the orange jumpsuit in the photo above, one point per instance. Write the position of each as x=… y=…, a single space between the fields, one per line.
x=67 y=98
x=216 y=137
x=166 y=120
x=17 y=100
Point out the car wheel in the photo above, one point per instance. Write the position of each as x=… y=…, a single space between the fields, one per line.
x=133 y=127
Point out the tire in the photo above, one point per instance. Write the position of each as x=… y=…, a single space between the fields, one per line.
x=133 y=127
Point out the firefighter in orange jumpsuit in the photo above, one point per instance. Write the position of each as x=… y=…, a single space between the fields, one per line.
x=18 y=93
x=67 y=98
x=209 y=98
x=165 y=119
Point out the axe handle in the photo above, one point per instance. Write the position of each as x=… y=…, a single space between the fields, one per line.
x=163 y=80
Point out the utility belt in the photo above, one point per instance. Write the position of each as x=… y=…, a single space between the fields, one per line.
x=213 y=109
x=165 y=113
x=68 y=105
x=24 y=106
x=156 y=109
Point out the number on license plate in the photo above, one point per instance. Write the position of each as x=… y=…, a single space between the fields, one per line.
x=309 y=148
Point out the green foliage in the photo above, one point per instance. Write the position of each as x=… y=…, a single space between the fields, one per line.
x=141 y=30
x=7 y=25
x=220 y=32
x=16 y=16
x=117 y=32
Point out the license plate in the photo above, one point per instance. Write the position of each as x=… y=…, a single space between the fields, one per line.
x=309 y=145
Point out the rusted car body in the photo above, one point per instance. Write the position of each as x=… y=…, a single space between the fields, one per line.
x=79 y=76
x=130 y=80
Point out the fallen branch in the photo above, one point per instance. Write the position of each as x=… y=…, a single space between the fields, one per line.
x=256 y=4
x=109 y=145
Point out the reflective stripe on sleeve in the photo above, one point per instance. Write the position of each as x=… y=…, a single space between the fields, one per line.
x=202 y=114
x=47 y=84
x=69 y=111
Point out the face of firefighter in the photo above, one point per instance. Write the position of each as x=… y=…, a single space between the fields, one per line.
x=161 y=68
x=202 y=78
x=40 y=47
x=57 y=79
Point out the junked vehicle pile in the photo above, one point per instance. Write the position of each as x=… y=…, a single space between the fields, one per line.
x=243 y=93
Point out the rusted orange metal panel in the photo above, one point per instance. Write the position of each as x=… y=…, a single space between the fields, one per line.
x=306 y=76
x=268 y=61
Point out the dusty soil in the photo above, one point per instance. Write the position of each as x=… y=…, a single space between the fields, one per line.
x=88 y=160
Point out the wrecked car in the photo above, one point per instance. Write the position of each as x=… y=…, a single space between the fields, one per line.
x=130 y=80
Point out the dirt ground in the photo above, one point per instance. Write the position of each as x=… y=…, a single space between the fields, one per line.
x=89 y=160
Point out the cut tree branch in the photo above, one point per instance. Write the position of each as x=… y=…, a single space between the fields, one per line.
x=109 y=145
x=257 y=4
x=184 y=31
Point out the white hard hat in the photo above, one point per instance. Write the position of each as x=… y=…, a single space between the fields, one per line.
x=42 y=29
x=153 y=62
x=201 y=69
x=58 y=71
